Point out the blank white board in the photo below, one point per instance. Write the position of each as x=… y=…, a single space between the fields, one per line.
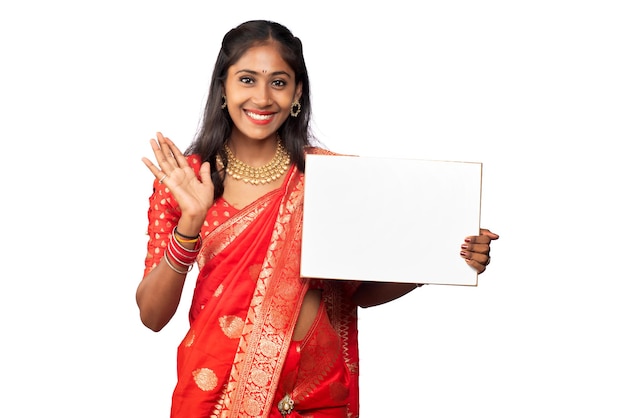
x=389 y=219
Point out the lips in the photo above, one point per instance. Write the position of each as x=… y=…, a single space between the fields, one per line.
x=261 y=117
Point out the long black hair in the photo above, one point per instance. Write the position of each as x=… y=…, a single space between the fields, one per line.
x=217 y=125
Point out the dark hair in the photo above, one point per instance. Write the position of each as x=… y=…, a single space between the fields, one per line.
x=216 y=123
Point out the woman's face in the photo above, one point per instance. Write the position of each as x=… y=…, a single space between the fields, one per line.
x=260 y=89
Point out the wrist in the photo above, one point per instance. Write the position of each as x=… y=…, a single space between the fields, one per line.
x=182 y=252
x=189 y=242
x=189 y=228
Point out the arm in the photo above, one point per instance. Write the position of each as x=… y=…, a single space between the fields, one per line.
x=376 y=293
x=158 y=294
x=475 y=250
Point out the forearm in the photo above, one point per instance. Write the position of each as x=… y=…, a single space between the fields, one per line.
x=158 y=295
x=376 y=293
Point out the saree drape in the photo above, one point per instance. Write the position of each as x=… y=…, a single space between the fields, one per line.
x=236 y=357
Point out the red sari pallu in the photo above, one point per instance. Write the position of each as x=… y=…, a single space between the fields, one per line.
x=238 y=358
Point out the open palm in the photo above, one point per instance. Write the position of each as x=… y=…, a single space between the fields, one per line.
x=194 y=196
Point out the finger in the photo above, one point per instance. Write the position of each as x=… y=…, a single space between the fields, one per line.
x=163 y=167
x=478 y=239
x=476 y=266
x=205 y=173
x=493 y=236
x=477 y=261
x=177 y=154
x=153 y=168
x=476 y=256
x=157 y=149
x=167 y=157
x=477 y=248
x=171 y=153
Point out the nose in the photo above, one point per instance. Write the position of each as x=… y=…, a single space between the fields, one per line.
x=263 y=95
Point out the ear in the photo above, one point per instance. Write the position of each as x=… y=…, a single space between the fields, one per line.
x=298 y=92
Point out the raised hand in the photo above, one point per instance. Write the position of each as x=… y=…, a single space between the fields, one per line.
x=475 y=250
x=194 y=196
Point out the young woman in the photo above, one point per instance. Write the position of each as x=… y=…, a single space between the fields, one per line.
x=262 y=341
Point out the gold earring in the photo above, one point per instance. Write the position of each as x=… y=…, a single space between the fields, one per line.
x=224 y=104
x=296 y=107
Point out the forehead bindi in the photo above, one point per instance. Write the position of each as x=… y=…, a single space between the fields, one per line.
x=263 y=59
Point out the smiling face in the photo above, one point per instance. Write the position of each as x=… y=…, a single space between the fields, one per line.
x=260 y=89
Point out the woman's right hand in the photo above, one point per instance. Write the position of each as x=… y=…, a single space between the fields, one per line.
x=194 y=196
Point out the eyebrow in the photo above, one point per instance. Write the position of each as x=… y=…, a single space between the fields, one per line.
x=275 y=73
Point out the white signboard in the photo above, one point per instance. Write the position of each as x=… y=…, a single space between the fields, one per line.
x=389 y=219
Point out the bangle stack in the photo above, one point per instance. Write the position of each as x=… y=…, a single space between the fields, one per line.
x=175 y=251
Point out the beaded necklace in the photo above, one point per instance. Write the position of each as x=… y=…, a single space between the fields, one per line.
x=265 y=174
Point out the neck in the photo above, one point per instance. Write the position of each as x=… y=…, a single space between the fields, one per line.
x=254 y=152
x=265 y=173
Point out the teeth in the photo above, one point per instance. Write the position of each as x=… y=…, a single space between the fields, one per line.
x=256 y=116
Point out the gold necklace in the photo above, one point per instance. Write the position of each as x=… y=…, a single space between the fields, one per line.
x=265 y=174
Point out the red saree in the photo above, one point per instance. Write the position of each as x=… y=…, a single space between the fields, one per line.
x=238 y=358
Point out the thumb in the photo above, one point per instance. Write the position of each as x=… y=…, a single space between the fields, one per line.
x=490 y=234
x=205 y=173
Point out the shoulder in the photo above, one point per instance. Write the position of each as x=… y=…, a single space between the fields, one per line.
x=324 y=151
x=317 y=150
x=320 y=151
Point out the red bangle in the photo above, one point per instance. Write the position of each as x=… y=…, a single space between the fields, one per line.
x=180 y=254
x=169 y=263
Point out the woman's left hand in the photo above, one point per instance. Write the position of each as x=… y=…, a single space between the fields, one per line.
x=475 y=249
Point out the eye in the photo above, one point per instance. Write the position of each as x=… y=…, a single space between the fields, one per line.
x=279 y=83
x=246 y=80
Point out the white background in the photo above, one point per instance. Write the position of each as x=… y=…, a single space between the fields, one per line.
x=534 y=90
